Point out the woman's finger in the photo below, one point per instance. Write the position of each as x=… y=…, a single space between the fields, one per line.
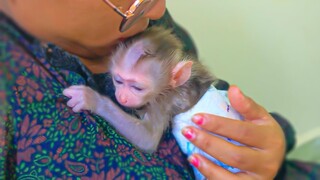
x=222 y=150
x=209 y=169
x=241 y=131
x=248 y=108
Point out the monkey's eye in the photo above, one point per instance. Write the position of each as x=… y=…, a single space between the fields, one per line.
x=137 y=88
x=118 y=81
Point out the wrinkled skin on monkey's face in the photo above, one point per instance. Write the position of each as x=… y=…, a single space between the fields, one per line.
x=134 y=87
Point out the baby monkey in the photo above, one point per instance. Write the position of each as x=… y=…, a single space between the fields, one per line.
x=153 y=76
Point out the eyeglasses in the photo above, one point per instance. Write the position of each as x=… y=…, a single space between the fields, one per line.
x=136 y=10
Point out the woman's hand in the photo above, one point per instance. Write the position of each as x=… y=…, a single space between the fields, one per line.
x=262 y=136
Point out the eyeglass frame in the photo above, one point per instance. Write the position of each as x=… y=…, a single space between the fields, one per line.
x=127 y=14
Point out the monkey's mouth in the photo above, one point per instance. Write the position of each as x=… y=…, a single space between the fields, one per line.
x=139 y=108
x=129 y=106
x=132 y=107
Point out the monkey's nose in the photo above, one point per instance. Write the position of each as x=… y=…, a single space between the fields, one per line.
x=123 y=100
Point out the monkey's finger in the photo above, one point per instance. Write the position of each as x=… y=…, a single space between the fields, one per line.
x=72 y=102
x=77 y=108
x=224 y=151
x=77 y=87
x=69 y=92
x=73 y=90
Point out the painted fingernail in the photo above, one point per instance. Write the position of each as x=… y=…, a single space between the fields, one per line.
x=194 y=161
x=198 y=119
x=188 y=133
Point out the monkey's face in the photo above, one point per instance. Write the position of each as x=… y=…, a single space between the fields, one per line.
x=132 y=91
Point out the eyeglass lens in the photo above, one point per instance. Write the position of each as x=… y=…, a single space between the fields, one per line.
x=145 y=6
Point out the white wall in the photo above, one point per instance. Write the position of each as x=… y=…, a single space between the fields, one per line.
x=270 y=48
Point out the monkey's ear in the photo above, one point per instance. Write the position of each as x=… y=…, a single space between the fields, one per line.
x=181 y=73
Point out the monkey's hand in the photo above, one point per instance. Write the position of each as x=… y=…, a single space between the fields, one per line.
x=82 y=98
x=137 y=131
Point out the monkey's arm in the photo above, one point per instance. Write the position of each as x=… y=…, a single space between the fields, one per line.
x=142 y=133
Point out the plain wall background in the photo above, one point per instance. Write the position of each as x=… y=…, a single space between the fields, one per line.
x=269 y=48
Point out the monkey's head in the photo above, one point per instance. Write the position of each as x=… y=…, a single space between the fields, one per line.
x=147 y=66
